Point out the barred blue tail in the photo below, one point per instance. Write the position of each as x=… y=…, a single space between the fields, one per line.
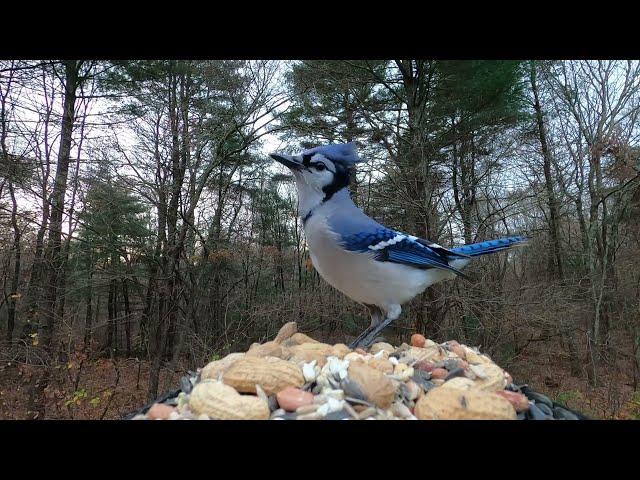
x=490 y=246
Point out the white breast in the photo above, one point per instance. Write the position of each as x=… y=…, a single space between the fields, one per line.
x=359 y=275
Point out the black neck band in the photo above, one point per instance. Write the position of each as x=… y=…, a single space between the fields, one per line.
x=308 y=215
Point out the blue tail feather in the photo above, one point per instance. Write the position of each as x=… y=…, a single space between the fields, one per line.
x=490 y=246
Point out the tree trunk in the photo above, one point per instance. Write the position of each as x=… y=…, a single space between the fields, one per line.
x=13 y=295
x=54 y=256
x=4 y=159
x=116 y=333
x=554 y=229
x=567 y=331
x=34 y=289
x=62 y=281
x=110 y=320
x=171 y=251
x=636 y=355
x=463 y=191
x=127 y=315
x=89 y=313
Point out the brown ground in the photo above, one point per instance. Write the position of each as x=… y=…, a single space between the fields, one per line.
x=99 y=389
x=547 y=371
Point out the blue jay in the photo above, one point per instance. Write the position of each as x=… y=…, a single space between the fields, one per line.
x=373 y=265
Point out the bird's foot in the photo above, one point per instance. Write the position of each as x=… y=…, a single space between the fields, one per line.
x=358 y=341
x=370 y=335
x=379 y=339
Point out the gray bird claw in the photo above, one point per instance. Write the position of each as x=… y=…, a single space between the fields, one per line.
x=355 y=344
x=362 y=344
x=359 y=341
x=369 y=336
x=364 y=341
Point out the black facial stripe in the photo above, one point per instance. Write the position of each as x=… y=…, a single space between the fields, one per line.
x=340 y=180
x=306 y=160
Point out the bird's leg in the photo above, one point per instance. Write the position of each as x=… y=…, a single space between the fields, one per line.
x=371 y=334
x=376 y=318
x=393 y=314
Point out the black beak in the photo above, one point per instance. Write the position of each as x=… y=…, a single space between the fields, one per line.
x=286 y=160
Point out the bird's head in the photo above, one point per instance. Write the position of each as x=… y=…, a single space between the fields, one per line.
x=320 y=172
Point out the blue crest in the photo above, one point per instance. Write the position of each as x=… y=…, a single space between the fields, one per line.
x=338 y=152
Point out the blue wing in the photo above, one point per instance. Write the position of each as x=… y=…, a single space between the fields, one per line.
x=392 y=246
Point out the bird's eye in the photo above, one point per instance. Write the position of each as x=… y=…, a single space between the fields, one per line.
x=320 y=167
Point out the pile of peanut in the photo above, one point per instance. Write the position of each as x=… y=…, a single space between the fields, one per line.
x=297 y=377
